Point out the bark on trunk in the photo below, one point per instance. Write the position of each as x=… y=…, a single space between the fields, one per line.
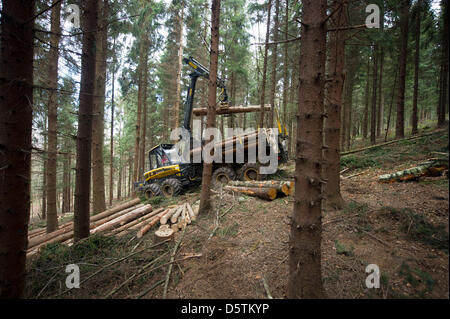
x=443 y=92
x=366 y=104
x=415 y=118
x=44 y=175
x=111 y=138
x=285 y=66
x=84 y=136
x=373 y=113
x=400 y=121
x=16 y=101
x=144 y=112
x=266 y=49
x=98 y=126
x=274 y=63
x=380 y=110
x=305 y=276
x=179 y=66
x=333 y=105
x=52 y=83
x=205 y=201
x=142 y=58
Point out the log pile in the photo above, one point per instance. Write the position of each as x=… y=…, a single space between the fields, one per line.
x=268 y=190
x=175 y=219
x=119 y=220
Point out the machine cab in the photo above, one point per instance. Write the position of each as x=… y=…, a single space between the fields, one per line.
x=163 y=155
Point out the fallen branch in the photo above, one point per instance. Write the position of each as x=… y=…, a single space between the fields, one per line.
x=129 y=279
x=109 y=265
x=172 y=258
x=376 y=238
x=266 y=287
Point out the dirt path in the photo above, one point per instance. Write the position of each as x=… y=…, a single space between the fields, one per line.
x=251 y=244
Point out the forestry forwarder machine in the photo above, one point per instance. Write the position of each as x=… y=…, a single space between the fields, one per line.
x=169 y=173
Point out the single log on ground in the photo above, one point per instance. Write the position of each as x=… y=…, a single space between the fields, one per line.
x=187 y=218
x=201 y=111
x=123 y=219
x=167 y=216
x=163 y=233
x=263 y=193
x=190 y=212
x=175 y=216
x=147 y=227
x=115 y=209
x=281 y=186
x=429 y=168
x=137 y=221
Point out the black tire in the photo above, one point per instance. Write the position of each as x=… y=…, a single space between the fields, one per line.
x=171 y=187
x=223 y=175
x=152 y=190
x=250 y=172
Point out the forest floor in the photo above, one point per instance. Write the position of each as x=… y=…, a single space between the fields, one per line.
x=401 y=227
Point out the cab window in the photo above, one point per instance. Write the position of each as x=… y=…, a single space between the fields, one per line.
x=153 y=163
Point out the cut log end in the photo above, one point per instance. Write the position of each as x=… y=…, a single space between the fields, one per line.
x=163 y=233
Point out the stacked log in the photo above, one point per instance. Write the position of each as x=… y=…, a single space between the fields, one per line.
x=284 y=187
x=65 y=231
x=267 y=190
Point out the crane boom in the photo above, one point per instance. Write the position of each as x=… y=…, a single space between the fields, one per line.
x=199 y=71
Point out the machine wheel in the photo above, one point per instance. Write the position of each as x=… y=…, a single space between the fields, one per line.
x=223 y=175
x=152 y=190
x=171 y=187
x=250 y=172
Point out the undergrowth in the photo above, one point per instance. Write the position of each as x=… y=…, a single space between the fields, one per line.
x=46 y=272
x=417 y=228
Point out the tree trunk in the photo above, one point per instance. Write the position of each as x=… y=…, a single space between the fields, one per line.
x=415 y=119
x=111 y=138
x=66 y=185
x=373 y=113
x=400 y=122
x=366 y=104
x=205 y=201
x=142 y=58
x=380 y=110
x=44 y=173
x=305 y=276
x=16 y=101
x=84 y=136
x=98 y=125
x=266 y=49
x=443 y=96
x=52 y=83
x=274 y=63
x=285 y=64
x=179 y=66
x=333 y=105
x=144 y=111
